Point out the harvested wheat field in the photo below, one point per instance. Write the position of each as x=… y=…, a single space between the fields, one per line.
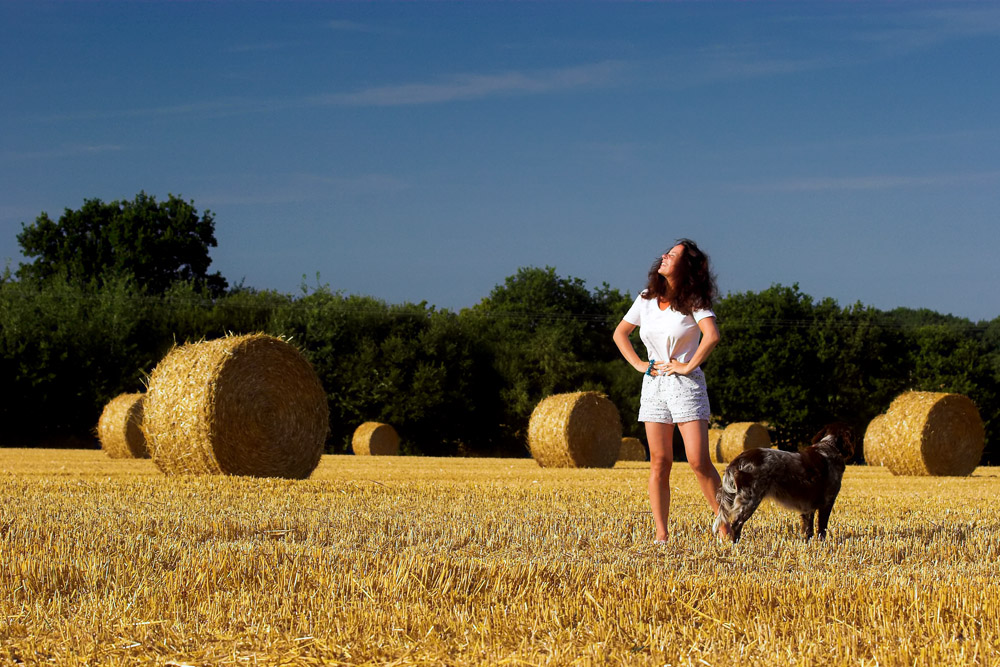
x=381 y=560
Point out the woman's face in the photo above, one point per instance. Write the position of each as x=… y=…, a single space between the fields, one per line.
x=670 y=261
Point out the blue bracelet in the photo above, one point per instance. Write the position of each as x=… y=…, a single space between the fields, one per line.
x=649 y=369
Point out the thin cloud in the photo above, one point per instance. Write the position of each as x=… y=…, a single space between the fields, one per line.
x=262 y=47
x=456 y=88
x=292 y=188
x=873 y=182
x=616 y=151
x=941 y=23
x=463 y=87
x=67 y=150
x=915 y=31
x=210 y=108
x=723 y=63
x=739 y=64
x=354 y=26
x=889 y=35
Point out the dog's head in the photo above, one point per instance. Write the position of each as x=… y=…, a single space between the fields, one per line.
x=840 y=435
x=728 y=495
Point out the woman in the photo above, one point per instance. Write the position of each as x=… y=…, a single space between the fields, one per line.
x=676 y=323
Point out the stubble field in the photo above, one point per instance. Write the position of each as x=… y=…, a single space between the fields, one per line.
x=480 y=561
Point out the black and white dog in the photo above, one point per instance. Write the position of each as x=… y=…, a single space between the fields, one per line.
x=806 y=482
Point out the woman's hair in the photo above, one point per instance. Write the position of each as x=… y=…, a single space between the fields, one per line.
x=695 y=288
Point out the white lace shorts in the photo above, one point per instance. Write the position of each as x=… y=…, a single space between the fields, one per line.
x=674 y=399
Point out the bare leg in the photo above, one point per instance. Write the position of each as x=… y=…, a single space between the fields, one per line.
x=695 y=436
x=661 y=459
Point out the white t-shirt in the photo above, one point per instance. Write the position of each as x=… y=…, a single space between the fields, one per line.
x=667 y=334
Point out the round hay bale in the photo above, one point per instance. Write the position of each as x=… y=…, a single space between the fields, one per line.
x=715 y=444
x=375 y=439
x=239 y=405
x=120 y=428
x=632 y=449
x=875 y=443
x=576 y=430
x=933 y=433
x=741 y=436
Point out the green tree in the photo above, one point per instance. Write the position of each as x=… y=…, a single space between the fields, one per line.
x=863 y=364
x=66 y=348
x=409 y=365
x=764 y=367
x=952 y=354
x=989 y=405
x=550 y=335
x=64 y=352
x=157 y=244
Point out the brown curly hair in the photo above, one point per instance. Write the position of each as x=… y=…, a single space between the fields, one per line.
x=695 y=289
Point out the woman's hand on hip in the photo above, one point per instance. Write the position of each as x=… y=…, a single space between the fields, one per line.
x=674 y=367
x=659 y=368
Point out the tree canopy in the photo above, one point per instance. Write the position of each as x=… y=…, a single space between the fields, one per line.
x=548 y=334
x=155 y=243
x=466 y=383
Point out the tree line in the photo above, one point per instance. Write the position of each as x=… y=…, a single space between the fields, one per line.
x=76 y=329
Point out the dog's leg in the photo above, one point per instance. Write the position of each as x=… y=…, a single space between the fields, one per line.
x=824 y=518
x=737 y=531
x=807 y=524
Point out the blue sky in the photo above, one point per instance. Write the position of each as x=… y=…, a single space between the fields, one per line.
x=425 y=151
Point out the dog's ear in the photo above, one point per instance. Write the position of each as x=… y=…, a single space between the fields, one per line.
x=829 y=429
x=843 y=435
x=847 y=444
x=741 y=479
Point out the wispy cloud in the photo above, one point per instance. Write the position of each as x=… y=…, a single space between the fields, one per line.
x=66 y=150
x=262 y=47
x=462 y=87
x=209 y=108
x=335 y=26
x=248 y=189
x=909 y=31
x=616 y=151
x=354 y=26
x=871 y=182
x=454 y=88
x=882 y=36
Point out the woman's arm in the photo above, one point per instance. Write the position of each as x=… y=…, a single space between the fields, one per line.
x=622 y=332
x=709 y=339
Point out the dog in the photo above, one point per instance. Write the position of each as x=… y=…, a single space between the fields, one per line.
x=806 y=482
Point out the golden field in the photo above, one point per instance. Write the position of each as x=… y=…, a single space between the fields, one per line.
x=480 y=561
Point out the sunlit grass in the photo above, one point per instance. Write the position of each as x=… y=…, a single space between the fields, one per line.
x=473 y=561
